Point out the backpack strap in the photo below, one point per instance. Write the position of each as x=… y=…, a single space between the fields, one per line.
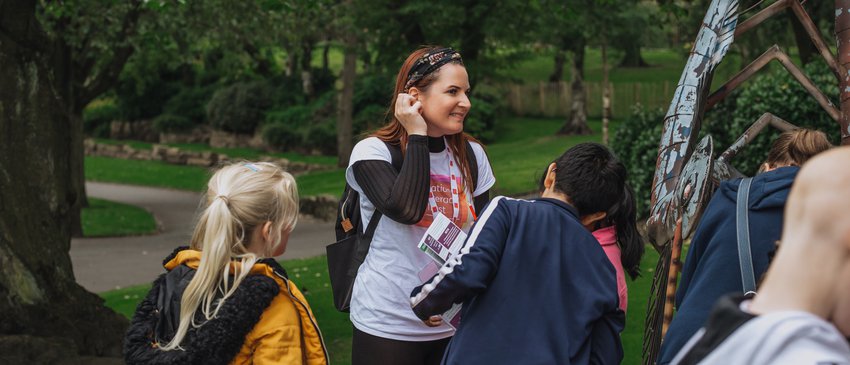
x=395 y=155
x=473 y=165
x=743 y=229
x=366 y=238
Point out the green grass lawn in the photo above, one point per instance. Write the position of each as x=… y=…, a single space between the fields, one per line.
x=105 y=218
x=193 y=178
x=311 y=275
x=146 y=173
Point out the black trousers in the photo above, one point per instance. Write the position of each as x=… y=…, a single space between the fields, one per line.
x=373 y=350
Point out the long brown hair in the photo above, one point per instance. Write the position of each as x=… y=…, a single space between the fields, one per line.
x=394 y=132
x=793 y=148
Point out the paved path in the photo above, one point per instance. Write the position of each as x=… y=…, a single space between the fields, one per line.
x=102 y=264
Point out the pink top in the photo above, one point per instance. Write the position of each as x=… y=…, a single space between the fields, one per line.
x=607 y=237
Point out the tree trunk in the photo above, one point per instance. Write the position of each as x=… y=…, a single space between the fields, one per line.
x=260 y=63
x=306 y=68
x=842 y=36
x=344 y=136
x=291 y=61
x=78 y=173
x=632 y=56
x=577 y=125
x=472 y=36
x=325 y=55
x=45 y=317
x=606 y=93
x=558 y=72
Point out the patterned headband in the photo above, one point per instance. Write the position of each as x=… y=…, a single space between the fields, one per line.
x=428 y=63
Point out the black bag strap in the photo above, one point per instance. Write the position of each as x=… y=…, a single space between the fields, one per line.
x=745 y=256
x=365 y=240
x=397 y=160
x=473 y=165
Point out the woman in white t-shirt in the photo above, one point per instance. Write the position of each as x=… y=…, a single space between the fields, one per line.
x=432 y=101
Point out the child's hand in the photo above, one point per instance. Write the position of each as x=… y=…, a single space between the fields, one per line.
x=433 y=321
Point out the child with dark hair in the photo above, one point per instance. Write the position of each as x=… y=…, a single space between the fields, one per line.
x=619 y=237
x=532 y=277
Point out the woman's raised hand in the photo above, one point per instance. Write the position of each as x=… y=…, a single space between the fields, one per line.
x=408 y=111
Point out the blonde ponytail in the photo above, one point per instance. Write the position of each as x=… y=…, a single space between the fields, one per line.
x=240 y=198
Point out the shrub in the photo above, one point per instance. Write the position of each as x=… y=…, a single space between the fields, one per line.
x=369 y=119
x=304 y=127
x=172 y=123
x=240 y=107
x=143 y=96
x=481 y=121
x=282 y=128
x=778 y=93
x=323 y=80
x=372 y=91
x=321 y=136
x=372 y=96
x=636 y=144
x=96 y=119
x=286 y=91
x=282 y=136
x=636 y=140
x=190 y=103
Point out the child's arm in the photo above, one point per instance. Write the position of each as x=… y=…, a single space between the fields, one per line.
x=471 y=270
x=606 y=347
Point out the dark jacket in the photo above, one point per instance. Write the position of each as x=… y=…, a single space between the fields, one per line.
x=712 y=268
x=536 y=287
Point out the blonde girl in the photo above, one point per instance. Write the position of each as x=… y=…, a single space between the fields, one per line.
x=224 y=300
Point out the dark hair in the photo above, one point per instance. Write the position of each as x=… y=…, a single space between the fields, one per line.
x=623 y=216
x=394 y=132
x=595 y=181
x=591 y=177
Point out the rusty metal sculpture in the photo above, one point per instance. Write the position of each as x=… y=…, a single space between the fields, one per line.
x=687 y=174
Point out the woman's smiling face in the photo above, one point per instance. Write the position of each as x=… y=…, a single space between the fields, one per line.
x=445 y=103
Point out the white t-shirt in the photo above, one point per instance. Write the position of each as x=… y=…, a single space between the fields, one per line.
x=380 y=303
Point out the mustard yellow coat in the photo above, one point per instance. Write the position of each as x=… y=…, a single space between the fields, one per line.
x=287 y=332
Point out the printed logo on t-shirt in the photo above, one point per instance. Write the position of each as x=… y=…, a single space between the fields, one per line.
x=441 y=187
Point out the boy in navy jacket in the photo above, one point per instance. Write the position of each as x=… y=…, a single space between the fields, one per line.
x=537 y=288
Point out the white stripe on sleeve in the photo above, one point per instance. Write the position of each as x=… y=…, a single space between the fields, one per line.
x=448 y=267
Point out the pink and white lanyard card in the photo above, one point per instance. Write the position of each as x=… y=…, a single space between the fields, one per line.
x=454 y=173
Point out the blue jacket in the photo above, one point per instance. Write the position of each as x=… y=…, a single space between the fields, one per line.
x=536 y=288
x=712 y=268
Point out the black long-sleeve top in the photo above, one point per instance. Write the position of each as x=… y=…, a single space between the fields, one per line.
x=403 y=195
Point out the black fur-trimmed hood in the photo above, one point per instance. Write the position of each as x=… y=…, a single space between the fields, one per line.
x=215 y=342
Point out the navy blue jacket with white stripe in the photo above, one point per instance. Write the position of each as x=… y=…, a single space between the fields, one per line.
x=536 y=287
